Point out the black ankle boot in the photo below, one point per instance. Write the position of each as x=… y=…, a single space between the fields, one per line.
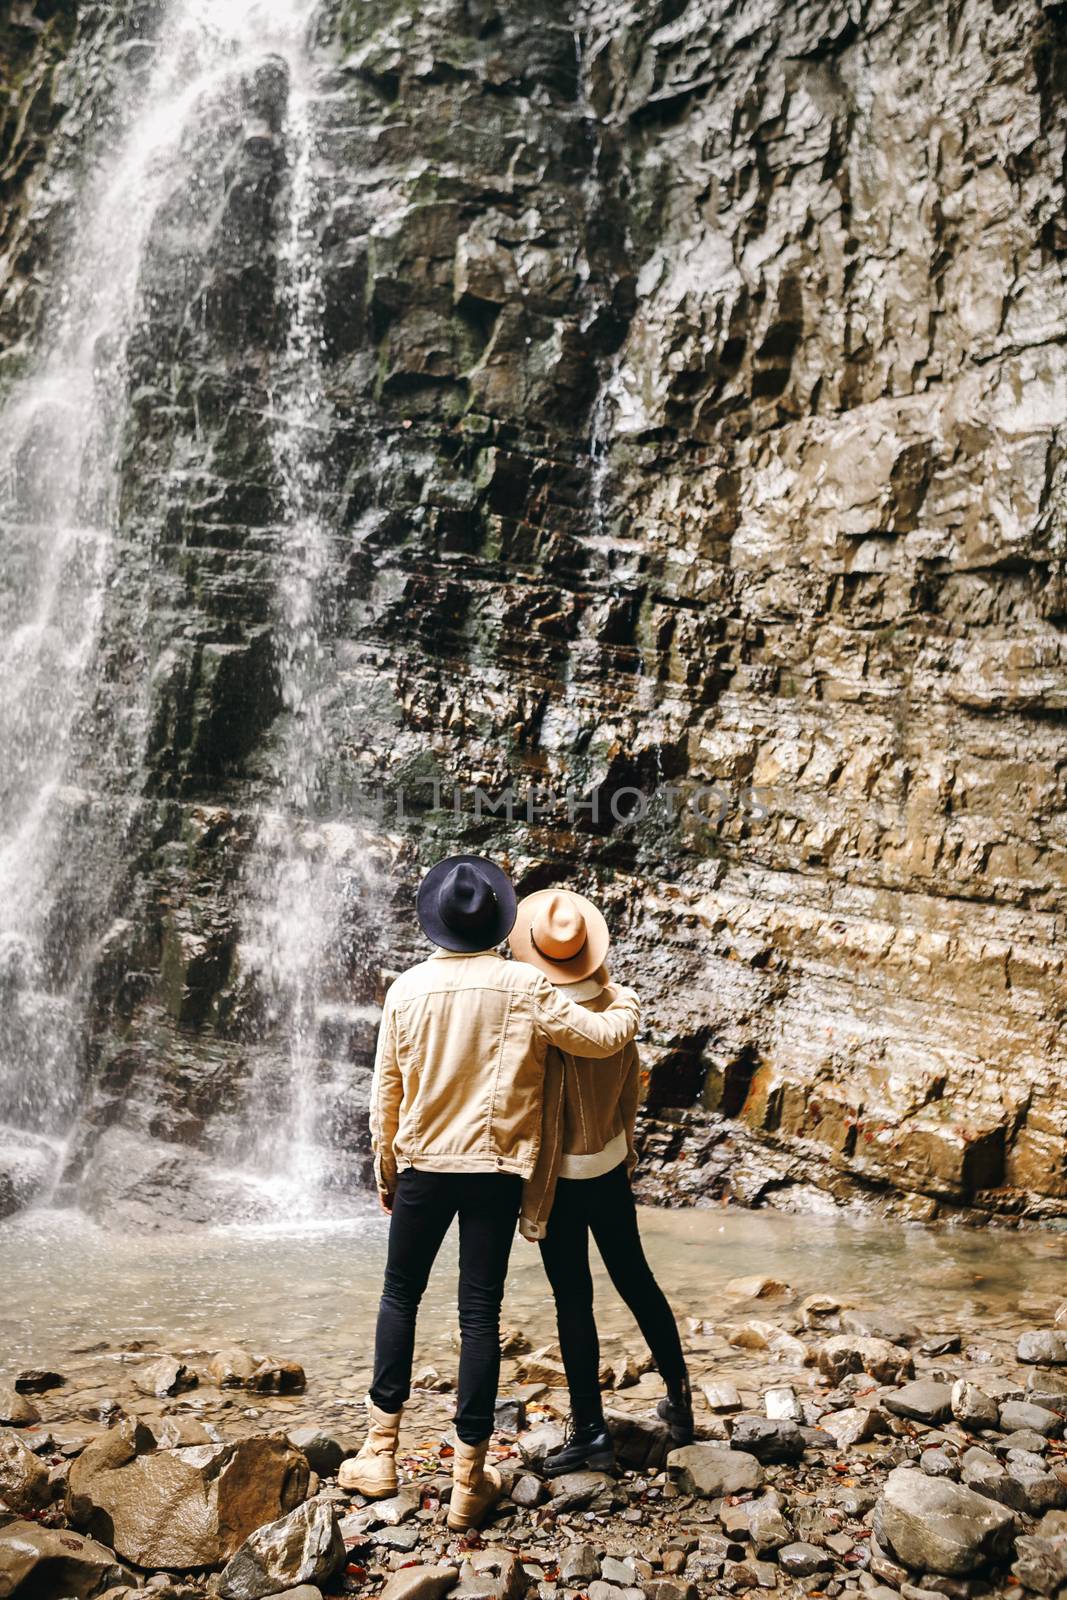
x=588 y=1444
x=677 y=1411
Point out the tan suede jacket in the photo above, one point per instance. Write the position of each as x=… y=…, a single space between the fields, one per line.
x=587 y=1122
x=459 y=1073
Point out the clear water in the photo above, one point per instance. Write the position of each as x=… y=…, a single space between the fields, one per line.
x=312 y=1292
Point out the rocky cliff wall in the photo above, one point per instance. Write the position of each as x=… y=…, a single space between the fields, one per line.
x=691 y=428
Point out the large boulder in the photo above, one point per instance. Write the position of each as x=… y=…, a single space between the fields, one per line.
x=303 y=1547
x=713 y=1470
x=936 y=1525
x=55 y=1564
x=24 y=1485
x=190 y=1507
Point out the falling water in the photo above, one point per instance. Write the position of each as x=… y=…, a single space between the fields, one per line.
x=285 y=935
x=69 y=777
x=307 y=869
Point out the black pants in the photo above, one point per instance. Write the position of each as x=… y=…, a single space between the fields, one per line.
x=605 y=1206
x=425 y=1203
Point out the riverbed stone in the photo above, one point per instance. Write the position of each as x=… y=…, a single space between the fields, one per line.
x=938 y=1526
x=572 y=1491
x=880 y=1324
x=1042 y=1490
x=670 y=1588
x=939 y=1463
x=987 y=1476
x=1045 y=1347
x=578 y=1564
x=766 y=1438
x=324 y=1451
x=543 y=1366
x=853 y=1425
x=850 y=1352
x=304 y=1546
x=174 y=1431
x=272 y=1376
x=721 y=1395
x=923 y=1400
x=15 y=1410
x=167 y=1375
x=1048 y=1389
x=37 y=1563
x=491 y=1574
x=232 y=1366
x=190 y=1507
x=420 y=1582
x=1041 y=1556
x=757 y=1286
x=710 y=1470
x=24 y=1483
x=528 y=1490
x=642 y=1443
x=783 y=1403
x=972 y=1406
x=510 y=1415
x=38 y=1380
x=390 y=1536
x=1024 y=1439
x=801 y=1559
x=768 y=1527
x=1018 y=1415
x=536 y=1443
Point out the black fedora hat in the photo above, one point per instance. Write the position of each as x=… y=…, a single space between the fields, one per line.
x=466 y=903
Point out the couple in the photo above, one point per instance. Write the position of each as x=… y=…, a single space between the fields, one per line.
x=504 y=1092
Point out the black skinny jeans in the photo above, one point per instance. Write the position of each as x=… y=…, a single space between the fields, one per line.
x=487 y=1204
x=605 y=1206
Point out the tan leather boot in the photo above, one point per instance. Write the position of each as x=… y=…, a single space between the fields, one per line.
x=476 y=1488
x=373 y=1471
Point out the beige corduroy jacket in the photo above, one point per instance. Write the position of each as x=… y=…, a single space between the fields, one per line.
x=459 y=1073
x=588 y=1121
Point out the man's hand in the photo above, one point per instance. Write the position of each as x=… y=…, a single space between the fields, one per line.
x=385 y=1201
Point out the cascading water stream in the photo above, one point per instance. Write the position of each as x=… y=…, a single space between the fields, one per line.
x=293 y=900
x=70 y=774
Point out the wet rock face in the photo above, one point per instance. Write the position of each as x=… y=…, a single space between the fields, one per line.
x=693 y=387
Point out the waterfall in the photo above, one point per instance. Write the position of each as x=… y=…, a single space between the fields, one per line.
x=294 y=937
x=71 y=779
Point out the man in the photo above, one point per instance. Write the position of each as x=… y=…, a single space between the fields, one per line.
x=456 y=1128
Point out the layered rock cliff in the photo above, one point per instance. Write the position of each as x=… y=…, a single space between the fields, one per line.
x=686 y=431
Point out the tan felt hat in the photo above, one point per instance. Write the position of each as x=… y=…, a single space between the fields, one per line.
x=561 y=932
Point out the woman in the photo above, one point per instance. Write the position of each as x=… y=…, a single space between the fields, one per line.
x=581 y=1185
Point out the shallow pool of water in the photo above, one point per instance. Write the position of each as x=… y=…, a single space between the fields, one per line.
x=312 y=1291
